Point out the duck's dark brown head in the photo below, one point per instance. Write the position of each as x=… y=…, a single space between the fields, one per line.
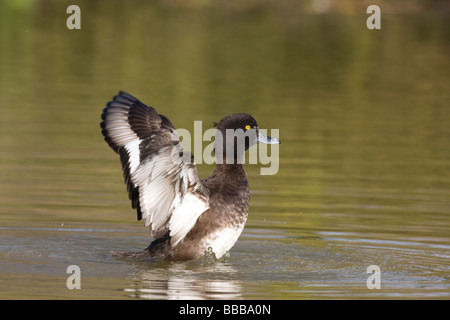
x=235 y=134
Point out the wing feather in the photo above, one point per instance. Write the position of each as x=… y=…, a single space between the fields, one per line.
x=163 y=187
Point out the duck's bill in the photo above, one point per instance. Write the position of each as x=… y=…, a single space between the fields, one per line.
x=262 y=138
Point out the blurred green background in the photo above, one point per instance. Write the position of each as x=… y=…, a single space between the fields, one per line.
x=364 y=115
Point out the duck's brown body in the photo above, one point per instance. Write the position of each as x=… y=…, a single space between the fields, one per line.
x=218 y=228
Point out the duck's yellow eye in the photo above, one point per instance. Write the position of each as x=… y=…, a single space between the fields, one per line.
x=247 y=127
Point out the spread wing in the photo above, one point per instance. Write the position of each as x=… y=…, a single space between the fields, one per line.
x=162 y=180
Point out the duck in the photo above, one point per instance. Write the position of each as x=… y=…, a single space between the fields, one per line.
x=187 y=216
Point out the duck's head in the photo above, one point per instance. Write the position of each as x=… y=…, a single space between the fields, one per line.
x=236 y=133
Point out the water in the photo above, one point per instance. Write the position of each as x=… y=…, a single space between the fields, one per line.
x=364 y=175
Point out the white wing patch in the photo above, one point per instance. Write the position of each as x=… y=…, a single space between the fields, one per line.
x=132 y=148
x=167 y=195
x=185 y=215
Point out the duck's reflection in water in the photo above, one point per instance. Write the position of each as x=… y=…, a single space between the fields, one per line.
x=185 y=280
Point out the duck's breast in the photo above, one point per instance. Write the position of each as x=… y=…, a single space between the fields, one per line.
x=223 y=239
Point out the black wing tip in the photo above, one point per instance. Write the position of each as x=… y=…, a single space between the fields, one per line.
x=125 y=95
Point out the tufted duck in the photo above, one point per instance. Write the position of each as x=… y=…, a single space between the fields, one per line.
x=187 y=216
